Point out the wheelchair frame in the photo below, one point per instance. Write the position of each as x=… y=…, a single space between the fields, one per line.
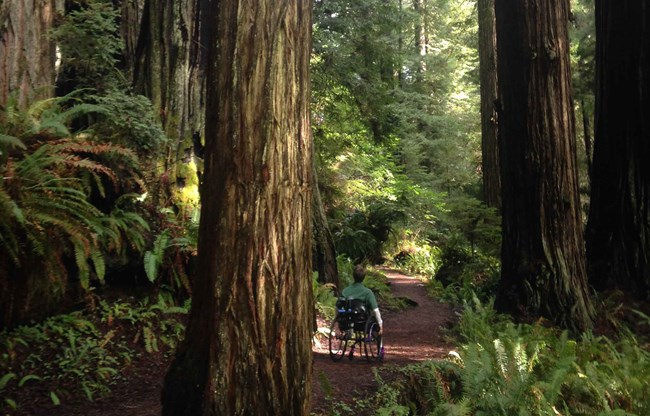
x=368 y=337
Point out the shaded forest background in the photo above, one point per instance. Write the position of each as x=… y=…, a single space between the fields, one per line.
x=102 y=146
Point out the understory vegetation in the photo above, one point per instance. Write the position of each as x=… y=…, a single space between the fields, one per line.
x=85 y=353
x=503 y=368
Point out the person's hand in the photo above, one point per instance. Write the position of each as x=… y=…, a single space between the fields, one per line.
x=381 y=330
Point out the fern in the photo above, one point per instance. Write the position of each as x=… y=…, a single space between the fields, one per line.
x=10 y=142
x=150 y=340
x=45 y=212
x=153 y=258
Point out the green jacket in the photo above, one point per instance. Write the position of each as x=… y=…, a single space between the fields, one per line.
x=359 y=291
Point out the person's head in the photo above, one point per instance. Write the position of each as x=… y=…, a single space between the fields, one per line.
x=359 y=273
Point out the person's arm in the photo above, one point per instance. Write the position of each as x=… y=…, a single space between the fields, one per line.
x=378 y=318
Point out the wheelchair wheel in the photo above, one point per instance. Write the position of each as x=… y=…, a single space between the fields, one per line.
x=338 y=341
x=373 y=345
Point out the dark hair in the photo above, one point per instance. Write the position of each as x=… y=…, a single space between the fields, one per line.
x=359 y=273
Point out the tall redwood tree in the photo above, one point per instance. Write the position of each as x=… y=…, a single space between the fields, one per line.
x=247 y=349
x=618 y=232
x=487 y=49
x=543 y=255
x=27 y=53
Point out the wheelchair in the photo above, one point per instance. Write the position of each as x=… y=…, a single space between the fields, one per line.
x=353 y=326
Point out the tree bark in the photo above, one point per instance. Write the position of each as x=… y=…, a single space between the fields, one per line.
x=543 y=257
x=618 y=231
x=586 y=127
x=27 y=55
x=170 y=69
x=247 y=348
x=487 y=48
x=130 y=24
x=324 y=247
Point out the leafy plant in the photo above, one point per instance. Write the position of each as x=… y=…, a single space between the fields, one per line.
x=361 y=235
x=46 y=214
x=84 y=353
x=324 y=299
x=128 y=120
x=168 y=257
x=83 y=356
x=527 y=369
x=90 y=44
x=423 y=258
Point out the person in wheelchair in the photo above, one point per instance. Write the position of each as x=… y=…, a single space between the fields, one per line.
x=357 y=290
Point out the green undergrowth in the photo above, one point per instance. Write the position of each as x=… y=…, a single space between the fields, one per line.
x=503 y=368
x=84 y=353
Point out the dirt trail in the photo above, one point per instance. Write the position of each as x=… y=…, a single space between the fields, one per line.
x=409 y=336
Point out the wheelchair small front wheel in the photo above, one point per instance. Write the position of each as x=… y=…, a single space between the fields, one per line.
x=338 y=341
x=373 y=344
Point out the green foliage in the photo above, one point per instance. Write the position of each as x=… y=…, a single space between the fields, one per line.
x=153 y=258
x=507 y=369
x=84 y=353
x=166 y=263
x=46 y=186
x=82 y=358
x=345 y=267
x=418 y=258
x=394 y=120
x=324 y=299
x=90 y=44
x=128 y=120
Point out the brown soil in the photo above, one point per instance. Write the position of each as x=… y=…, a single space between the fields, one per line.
x=410 y=336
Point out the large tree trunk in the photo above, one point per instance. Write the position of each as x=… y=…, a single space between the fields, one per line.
x=618 y=232
x=170 y=71
x=130 y=23
x=543 y=257
x=27 y=56
x=247 y=349
x=487 y=48
x=324 y=248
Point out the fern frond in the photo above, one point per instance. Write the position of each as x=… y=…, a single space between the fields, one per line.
x=80 y=110
x=151 y=266
x=81 y=255
x=520 y=359
x=11 y=141
x=501 y=357
x=54 y=127
x=150 y=340
x=76 y=164
x=98 y=262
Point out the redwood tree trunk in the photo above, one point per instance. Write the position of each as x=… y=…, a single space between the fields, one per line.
x=487 y=48
x=324 y=247
x=247 y=348
x=27 y=56
x=543 y=257
x=169 y=69
x=618 y=232
x=130 y=21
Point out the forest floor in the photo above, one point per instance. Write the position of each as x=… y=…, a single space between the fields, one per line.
x=410 y=336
